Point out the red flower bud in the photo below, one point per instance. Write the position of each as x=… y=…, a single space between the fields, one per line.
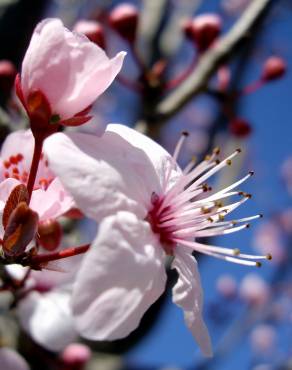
x=7 y=76
x=240 y=127
x=75 y=356
x=274 y=68
x=124 y=20
x=203 y=30
x=92 y=30
x=50 y=234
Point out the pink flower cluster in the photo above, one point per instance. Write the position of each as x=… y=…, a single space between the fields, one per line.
x=147 y=207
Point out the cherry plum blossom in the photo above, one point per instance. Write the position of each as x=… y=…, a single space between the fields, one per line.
x=63 y=73
x=147 y=208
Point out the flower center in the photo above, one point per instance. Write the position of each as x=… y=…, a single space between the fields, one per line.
x=186 y=210
x=16 y=167
x=155 y=217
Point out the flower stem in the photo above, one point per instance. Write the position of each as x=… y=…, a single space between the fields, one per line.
x=179 y=79
x=37 y=152
x=68 y=252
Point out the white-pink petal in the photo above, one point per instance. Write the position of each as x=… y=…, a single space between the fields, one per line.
x=162 y=161
x=20 y=141
x=47 y=318
x=104 y=175
x=122 y=275
x=69 y=69
x=187 y=294
x=52 y=202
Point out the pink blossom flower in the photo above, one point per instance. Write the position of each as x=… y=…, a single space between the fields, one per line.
x=63 y=73
x=49 y=198
x=148 y=208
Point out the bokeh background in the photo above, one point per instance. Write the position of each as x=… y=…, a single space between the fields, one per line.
x=248 y=311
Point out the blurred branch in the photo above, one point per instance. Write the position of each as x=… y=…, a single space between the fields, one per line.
x=210 y=61
x=150 y=23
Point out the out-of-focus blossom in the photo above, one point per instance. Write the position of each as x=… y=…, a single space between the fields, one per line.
x=226 y=286
x=91 y=29
x=49 y=198
x=48 y=295
x=254 y=290
x=285 y=219
x=286 y=172
x=11 y=360
x=142 y=201
x=203 y=30
x=7 y=75
x=76 y=355
x=273 y=69
x=124 y=20
x=240 y=127
x=268 y=239
x=263 y=338
x=47 y=317
x=62 y=75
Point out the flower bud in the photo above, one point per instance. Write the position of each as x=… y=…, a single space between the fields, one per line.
x=226 y=286
x=240 y=127
x=274 y=68
x=50 y=234
x=124 y=20
x=7 y=76
x=76 y=355
x=92 y=30
x=254 y=290
x=203 y=30
x=263 y=338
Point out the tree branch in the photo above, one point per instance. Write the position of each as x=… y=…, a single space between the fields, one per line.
x=210 y=61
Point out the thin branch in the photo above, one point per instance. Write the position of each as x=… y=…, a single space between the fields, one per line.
x=210 y=61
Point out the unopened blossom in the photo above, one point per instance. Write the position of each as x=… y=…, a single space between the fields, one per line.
x=263 y=338
x=254 y=290
x=148 y=208
x=7 y=75
x=226 y=286
x=62 y=74
x=124 y=20
x=76 y=355
x=203 y=30
x=91 y=29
